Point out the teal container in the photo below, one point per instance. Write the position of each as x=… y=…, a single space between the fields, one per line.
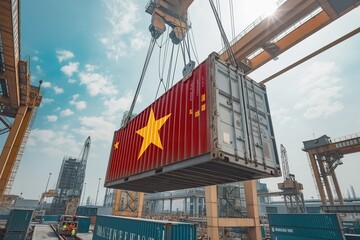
x=51 y=218
x=113 y=227
x=86 y=211
x=305 y=227
x=4 y=217
x=83 y=224
x=19 y=220
x=15 y=235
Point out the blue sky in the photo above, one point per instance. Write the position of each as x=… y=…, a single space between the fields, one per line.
x=90 y=54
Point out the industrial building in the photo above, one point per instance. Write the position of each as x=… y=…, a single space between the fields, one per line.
x=70 y=183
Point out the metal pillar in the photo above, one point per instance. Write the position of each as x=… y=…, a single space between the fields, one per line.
x=325 y=180
x=252 y=208
x=337 y=188
x=133 y=208
x=212 y=212
x=315 y=168
x=12 y=145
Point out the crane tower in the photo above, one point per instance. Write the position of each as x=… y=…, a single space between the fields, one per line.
x=70 y=182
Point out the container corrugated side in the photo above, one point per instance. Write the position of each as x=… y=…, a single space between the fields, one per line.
x=305 y=226
x=51 y=218
x=19 y=220
x=15 y=235
x=213 y=127
x=83 y=224
x=86 y=211
x=112 y=227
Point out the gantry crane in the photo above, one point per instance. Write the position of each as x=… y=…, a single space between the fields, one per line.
x=18 y=99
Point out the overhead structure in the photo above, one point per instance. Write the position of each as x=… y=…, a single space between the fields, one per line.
x=291 y=189
x=70 y=182
x=325 y=155
x=18 y=99
x=172 y=13
x=293 y=21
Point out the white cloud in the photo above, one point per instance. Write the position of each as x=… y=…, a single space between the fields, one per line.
x=46 y=84
x=35 y=58
x=52 y=118
x=67 y=112
x=38 y=69
x=138 y=41
x=80 y=105
x=90 y=68
x=58 y=90
x=71 y=81
x=282 y=115
x=122 y=17
x=115 y=105
x=322 y=91
x=54 y=143
x=97 y=84
x=47 y=100
x=63 y=55
x=96 y=127
x=70 y=69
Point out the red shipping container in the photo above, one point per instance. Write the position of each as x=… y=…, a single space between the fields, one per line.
x=212 y=127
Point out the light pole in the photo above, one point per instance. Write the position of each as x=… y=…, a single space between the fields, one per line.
x=47 y=184
x=97 y=193
x=82 y=201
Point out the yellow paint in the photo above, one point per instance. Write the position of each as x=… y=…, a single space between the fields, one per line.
x=150 y=132
x=203 y=97
x=197 y=113
x=190 y=111
x=116 y=145
x=203 y=107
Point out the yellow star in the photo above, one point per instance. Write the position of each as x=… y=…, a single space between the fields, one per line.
x=116 y=145
x=150 y=132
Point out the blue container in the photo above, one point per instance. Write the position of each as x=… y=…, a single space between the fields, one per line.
x=15 y=235
x=305 y=227
x=19 y=220
x=112 y=227
x=83 y=224
x=4 y=217
x=86 y=211
x=51 y=218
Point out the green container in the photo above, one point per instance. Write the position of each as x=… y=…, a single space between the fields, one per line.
x=83 y=224
x=305 y=227
x=19 y=220
x=112 y=227
x=86 y=211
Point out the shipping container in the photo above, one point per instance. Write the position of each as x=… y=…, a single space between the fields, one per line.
x=83 y=224
x=15 y=235
x=51 y=218
x=19 y=220
x=305 y=227
x=86 y=211
x=212 y=127
x=113 y=227
x=4 y=217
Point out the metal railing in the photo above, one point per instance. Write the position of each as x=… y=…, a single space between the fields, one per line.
x=344 y=138
x=252 y=26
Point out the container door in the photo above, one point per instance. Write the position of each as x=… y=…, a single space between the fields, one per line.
x=231 y=121
x=262 y=141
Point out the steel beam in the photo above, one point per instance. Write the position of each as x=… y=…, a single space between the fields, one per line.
x=212 y=212
x=252 y=209
x=11 y=151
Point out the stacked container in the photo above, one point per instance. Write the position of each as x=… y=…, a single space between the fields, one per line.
x=18 y=224
x=112 y=227
x=87 y=212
